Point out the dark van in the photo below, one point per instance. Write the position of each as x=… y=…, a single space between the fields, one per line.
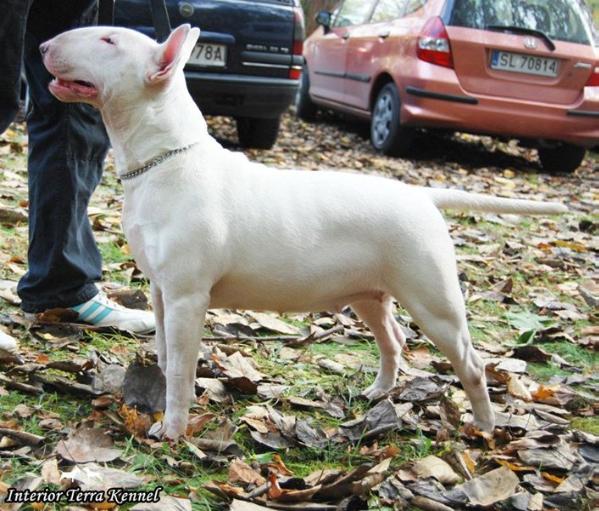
x=248 y=60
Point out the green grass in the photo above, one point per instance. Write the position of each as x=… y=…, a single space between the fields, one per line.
x=594 y=4
x=575 y=355
x=113 y=253
x=578 y=356
x=586 y=424
x=110 y=343
x=544 y=372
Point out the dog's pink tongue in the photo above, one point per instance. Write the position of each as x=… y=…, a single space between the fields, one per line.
x=78 y=88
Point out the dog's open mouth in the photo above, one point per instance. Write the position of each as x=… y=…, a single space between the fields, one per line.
x=76 y=87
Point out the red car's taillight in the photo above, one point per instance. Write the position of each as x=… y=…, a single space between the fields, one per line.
x=433 y=44
x=295 y=72
x=593 y=79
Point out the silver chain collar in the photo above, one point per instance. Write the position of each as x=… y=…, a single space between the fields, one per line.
x=154 y=162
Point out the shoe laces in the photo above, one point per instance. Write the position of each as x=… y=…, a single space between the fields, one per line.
x=104 y=300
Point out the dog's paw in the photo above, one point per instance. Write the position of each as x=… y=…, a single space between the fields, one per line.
x=157 y=431
x=375 y=391
x=161 y=431
x=488 y=426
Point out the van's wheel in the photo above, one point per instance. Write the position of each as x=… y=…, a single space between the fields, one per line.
x=386 y=131
x=305 y=108
x=258 y=133
x=561 y=158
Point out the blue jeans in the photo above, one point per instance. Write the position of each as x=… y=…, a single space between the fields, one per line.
x=67 y=147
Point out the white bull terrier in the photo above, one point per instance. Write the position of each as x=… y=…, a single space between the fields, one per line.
x=212 y=229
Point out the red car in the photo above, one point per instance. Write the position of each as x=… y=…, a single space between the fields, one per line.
x=526 y=69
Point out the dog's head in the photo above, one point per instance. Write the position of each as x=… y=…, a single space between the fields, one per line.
x=98 y=64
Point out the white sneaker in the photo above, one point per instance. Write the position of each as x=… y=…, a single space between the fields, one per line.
x=8 y=344
x=101 y=311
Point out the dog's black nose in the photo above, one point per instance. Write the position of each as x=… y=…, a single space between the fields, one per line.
x=44 y=48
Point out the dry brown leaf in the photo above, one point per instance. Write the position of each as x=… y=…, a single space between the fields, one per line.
x=553 y=478
x=273 y=323
x=242 y=505
x=492 y=487
x=197 y=423
x=277 y=466
x=94 y=477
x=515 y=467
x=214 y=389
x=241 y=472
x=50 y=472
x=432 y=466
x=516 y=388
x=88 y=444
x=136 y=423
x=237 y=366
x=166 y=503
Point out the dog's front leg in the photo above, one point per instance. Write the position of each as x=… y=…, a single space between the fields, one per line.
x=184 y=321
x=158 y=306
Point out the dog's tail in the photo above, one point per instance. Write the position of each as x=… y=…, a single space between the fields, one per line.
x=445 y=198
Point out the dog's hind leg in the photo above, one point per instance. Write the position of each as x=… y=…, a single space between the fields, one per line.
x=158 y=306
x=421 y=274
x=378 y=317
x=184 y=322
x=441 y=314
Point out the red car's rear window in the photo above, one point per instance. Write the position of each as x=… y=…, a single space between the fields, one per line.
x=563 y=20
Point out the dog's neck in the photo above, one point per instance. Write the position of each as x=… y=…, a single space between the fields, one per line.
x=140 y=132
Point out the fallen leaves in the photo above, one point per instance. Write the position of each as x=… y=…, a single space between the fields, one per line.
x=432 y=466
x=240 y=472
x=85 y=445
x=278 y=394
x=490 y=488
x=94 y=477
x=144 y=387
x=10 y=216
x=273 y=323
x=240 y=371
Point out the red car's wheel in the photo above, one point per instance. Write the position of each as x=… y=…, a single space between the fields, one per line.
x=386 y=131
x=305 y=109
x=561 y=159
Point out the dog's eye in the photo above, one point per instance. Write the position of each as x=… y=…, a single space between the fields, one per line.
x=108 y=40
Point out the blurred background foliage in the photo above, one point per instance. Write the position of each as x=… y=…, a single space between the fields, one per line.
x=594 y=7
x=311 y=7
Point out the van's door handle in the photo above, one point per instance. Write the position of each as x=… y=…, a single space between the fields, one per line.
x=384 y=35
x=345 y=36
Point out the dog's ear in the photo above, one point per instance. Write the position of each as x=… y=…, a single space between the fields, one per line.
x=173 y=53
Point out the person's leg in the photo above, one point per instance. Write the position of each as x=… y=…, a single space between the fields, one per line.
x=67 y=146
x=12 y=33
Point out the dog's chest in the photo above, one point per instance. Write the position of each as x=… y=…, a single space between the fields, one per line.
x=142 y=232
x=140 y=239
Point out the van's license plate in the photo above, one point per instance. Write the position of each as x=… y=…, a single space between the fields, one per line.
x=521 y=63
x=209 y=55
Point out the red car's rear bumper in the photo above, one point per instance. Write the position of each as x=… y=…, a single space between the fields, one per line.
x=443 y=103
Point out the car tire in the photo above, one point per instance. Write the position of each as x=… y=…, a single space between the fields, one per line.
x=561 y=159
x=387 y=134
x=305 y=108
x=257 y=133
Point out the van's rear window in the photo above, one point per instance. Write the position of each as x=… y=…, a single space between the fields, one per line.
x=564 y=20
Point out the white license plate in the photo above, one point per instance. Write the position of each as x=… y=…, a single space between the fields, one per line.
x=209 y=55
x=521 y=63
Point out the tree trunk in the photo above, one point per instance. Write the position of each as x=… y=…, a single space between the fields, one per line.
x=311 y=8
